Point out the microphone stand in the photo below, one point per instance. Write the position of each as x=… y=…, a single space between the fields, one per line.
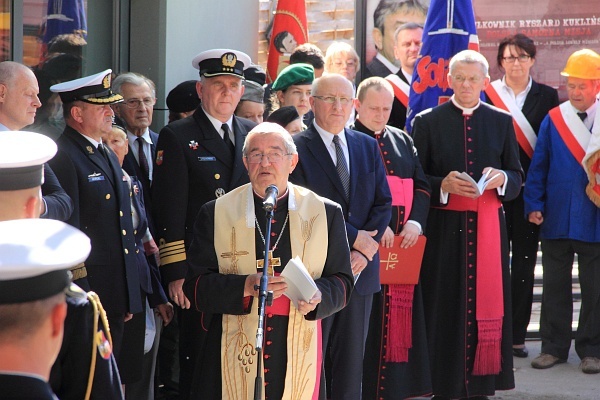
x=264 y=298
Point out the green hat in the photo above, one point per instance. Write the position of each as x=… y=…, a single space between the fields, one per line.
x=294 y=74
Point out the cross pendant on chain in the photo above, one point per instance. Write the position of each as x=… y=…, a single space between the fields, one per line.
x=273 y=262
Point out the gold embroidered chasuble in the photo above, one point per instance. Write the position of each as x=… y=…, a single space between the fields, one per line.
x=234 y=231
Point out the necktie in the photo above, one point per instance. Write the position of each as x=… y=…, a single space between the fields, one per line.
x=341 y=167
x=227 y=139
x=582 y=115
x=143 y=161
x=103 y=152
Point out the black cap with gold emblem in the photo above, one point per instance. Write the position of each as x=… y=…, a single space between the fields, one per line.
x=221 y=62
x=93 y=89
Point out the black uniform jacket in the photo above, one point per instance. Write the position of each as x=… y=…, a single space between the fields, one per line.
x=193 y=166
x=102 y=210
x=70 y=372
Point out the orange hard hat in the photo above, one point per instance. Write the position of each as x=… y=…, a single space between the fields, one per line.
x=583 y=64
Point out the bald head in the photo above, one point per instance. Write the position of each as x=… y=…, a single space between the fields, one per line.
x=331 y=101
x=18 y=95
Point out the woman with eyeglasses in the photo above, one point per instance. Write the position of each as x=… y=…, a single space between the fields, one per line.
x=528 y=102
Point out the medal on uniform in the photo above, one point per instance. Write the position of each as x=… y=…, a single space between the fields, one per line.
x=103 y=345
x=193 y=145
x=219 y=192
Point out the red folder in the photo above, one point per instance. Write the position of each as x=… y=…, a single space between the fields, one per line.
x=401 y=266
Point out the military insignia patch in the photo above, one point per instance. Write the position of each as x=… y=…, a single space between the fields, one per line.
x=103 y=345
x=193 y=145
x=219 y=192
x=106 y=82
x=229 y=60
x=89 y=149
x=159 y=157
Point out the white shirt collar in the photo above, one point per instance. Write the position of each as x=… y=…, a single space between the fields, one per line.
x=327 y=137
x=519 y=98
x=465 y=110
x=389 y=65
x=146 y=136
x=217 y=124
x=591 y=114
x=407 y=76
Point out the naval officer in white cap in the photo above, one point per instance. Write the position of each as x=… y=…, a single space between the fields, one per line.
x=35 y=257
x=22 y=158
x=90 y=173
x=198 y=159
x=22 y=171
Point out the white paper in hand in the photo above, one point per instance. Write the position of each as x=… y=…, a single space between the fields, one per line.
x=300 y=285
x=483 y=182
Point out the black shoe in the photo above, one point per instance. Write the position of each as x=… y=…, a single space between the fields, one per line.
x=520 y=352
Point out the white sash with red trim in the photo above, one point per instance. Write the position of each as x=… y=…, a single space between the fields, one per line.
x=571 y=129
x=526 y=136
x=401 y=88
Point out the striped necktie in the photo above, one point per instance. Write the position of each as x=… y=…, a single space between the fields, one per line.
x=341 y=167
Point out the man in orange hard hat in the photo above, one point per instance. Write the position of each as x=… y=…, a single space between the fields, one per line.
x=555 y=198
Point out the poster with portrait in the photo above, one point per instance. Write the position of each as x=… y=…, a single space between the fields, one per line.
x=558 y=28
x=380 y=20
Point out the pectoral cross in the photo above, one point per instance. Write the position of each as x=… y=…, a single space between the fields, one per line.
x=273 y=262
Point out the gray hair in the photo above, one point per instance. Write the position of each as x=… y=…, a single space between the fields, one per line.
x=409 y=26
x=387 y=7
x=271 y=128
x=132 y=78
x=470 y=57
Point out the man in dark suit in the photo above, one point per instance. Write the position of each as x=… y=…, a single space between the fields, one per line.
x=90 y=173
x=139 y=97
x=198 y=159
x=18 y=106
x=325 y=150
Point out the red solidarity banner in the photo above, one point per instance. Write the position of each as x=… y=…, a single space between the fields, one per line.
x=290 y=29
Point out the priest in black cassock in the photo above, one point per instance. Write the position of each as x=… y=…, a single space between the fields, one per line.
x=224 y=258
x=400 y=369
x=465 y=275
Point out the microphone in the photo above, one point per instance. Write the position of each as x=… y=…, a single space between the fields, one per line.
x=270 y=198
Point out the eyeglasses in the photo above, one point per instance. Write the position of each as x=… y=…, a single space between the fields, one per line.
x=472 y=79
x=522 y=58
x=273 y=158
x=135 y=103
x=332 y=99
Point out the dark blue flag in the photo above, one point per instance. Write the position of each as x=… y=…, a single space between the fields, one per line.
x=449 y=29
